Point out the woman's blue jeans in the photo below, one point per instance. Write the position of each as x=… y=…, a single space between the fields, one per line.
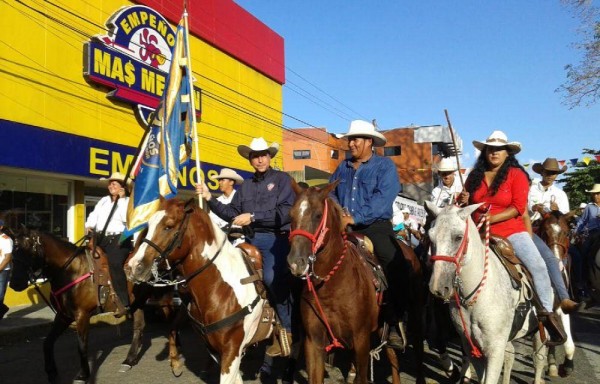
x=553 y=267
x=527 y=252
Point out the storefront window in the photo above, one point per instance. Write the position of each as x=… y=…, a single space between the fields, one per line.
x=36 y=203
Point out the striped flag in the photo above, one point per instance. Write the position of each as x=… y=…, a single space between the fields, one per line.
x=167 y=147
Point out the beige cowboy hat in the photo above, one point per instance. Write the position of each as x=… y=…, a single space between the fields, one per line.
x=596 y=189
x=366 y=129
x=117 y=176
x=498 y=139
x=227 y=173
x=446 y=165
x=258 y=144
x=550 y=165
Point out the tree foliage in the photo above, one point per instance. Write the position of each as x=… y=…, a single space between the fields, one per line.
x=581 y=178
x=582 y=86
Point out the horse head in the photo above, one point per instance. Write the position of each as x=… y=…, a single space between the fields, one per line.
x=314 y=217
x=453 y=238
x=173 y=231
x=27 y=258
x=554 y=230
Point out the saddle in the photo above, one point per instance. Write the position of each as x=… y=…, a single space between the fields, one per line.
x=365 y=249
x=107 y=298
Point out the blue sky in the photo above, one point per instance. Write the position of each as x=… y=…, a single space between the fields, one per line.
x=492 y=64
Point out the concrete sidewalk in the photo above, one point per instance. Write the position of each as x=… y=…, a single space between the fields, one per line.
x=28 y=321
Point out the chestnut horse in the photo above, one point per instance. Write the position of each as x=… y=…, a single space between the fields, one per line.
x=225 y=306
x=554 y=230
x=339 y=304
x=74 y=296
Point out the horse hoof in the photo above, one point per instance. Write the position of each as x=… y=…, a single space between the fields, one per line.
x=125 y=368
x=350 y=378
x=178 y=371
x=79 y=381
x=567 y=368
x=553 y=371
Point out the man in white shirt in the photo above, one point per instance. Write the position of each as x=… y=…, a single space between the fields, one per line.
x=447 y=190
x=227 y=179
x=544 y=196
x=108 y=224
x=6 y=248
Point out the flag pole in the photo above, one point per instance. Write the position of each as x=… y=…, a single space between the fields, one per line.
x=192 y=98
x=455 y=148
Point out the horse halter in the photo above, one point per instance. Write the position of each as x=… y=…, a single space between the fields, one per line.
x=177 y=238
x=315 y=238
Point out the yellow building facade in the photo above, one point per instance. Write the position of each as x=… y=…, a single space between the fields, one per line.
x=77 y=79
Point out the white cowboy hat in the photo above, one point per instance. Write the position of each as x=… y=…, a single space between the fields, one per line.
x=498 y=139
x=446 y=165
x=596 y=189
x=258 y=144
x=550 y=165
x=405 y=210
x=364 y=128
x=117 y=176
x=227 y=173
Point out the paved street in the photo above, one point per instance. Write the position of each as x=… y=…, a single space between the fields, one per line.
x=21 y=358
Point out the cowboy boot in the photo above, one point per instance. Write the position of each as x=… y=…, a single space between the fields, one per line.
x=281 y=344
x=569 y=306
x=554 y=327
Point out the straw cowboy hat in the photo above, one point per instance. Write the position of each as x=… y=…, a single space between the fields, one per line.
x=258 y=144
x=365 y=129
x=446 y=165
x=227 y=173
x=596 y=189
x=117 y=176
x=498 y=139
x=549 y=165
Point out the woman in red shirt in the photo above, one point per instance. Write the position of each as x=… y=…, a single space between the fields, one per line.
x=501 y=183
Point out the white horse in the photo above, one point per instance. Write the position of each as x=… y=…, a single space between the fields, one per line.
x=483 y=302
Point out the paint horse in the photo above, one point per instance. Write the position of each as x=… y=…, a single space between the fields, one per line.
x=74 y=295
x=339 y=304
x=226 y=306
x=483 y=301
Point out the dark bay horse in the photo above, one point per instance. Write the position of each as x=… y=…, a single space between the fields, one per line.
x=226 y=306
x=339 y=304
x=555 y=231
x=74 y=295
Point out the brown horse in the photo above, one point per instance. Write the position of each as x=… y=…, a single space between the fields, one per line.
x=339 y=304
x=74 y=295
x=226 y=307
x=554 y=230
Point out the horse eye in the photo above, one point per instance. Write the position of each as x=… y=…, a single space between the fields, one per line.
x=458 y=238
x=167 y=228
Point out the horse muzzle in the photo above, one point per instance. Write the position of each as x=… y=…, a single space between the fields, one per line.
x=299 y=267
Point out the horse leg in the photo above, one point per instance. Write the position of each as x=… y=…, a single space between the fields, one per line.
x=415 y=322
x=552 y=367
x=465 y=369
x=231 y=374
x=177 y=361
x=58 y=327
x=361 y=356
x=539 y=358
x=315 y=361
x=509 y=360
x=568 y=366
x=139 y=323
x=492 y=364
x=394 y=364
x=82 y=322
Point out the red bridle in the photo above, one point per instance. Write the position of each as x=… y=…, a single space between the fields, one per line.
x=317 y=237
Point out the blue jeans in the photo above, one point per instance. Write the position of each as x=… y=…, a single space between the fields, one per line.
x=529 y=255
x=552 y=266
x=4 y=278
x=276 y=274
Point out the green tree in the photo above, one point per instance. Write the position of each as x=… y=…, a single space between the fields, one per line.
x=582 y=86
x=581 y=178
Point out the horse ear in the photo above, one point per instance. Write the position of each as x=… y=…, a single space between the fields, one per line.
x=432 y=209
x=329 y=187
x=297 y=189
x=466 y=211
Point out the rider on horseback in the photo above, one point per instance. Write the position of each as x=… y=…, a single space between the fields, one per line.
x=368 y=186
x=501 y=183
x=107 y=222
x=545 y=197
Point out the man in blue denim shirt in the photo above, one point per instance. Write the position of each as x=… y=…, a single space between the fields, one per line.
x=368 y=186
x=264 y=203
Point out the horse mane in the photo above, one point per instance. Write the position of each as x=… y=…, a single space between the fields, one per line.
x=195 y=212
x=338 y=212
x=59 y=240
